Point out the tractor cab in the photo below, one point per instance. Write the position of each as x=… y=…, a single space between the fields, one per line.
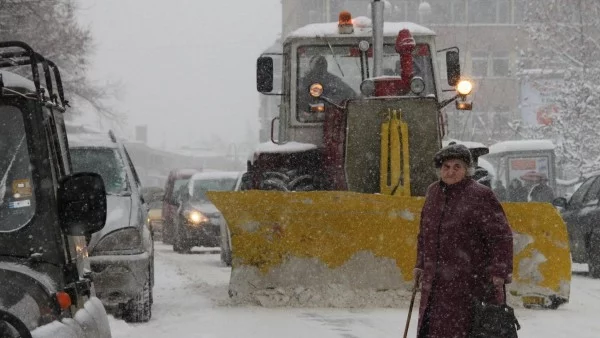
x=45 y=210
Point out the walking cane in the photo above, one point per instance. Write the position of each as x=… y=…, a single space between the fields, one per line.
x=412 y=302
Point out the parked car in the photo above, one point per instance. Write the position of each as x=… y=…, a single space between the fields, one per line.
x=582 y=215
x=153 y=196
x=198 y=222
x=226 y=255
x=122 y=253
x=45 y=212
x=177 y=179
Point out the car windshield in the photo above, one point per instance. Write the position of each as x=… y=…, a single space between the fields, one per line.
x=338 y=69
x=201 y=186
x=17 y=198
x=104 y=161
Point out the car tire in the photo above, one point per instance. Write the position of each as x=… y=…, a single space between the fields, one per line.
x=594 y=256
x=225 y=249
x=139 y=309
x=167 y=234
x=179 y=244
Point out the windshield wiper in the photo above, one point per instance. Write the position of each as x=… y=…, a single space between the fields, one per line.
x=334 y=56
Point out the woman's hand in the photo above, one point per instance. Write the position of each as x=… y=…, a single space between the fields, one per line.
x=418 y=273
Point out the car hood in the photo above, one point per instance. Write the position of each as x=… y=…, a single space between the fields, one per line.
x=118 y=215
x=206 y=208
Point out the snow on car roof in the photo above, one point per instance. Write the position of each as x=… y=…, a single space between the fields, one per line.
x=289 y=147
x=211 y=175
x=330 y=29
x=521 y=145
x=12 y=80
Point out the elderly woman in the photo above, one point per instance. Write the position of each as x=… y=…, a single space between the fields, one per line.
x=464 y=248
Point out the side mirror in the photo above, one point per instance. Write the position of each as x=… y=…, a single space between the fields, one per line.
x=453 y=67
x=560 y=202
x=264 y=74
x=82 y=203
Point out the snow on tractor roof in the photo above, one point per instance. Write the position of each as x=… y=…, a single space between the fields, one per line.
x=362 y=27
x=521 y=145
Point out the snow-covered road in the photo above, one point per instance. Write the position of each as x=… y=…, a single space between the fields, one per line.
x=190 y=300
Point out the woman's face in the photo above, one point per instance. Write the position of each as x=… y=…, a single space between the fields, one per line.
x=453 y=171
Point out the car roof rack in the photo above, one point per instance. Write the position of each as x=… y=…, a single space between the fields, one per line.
x=18 y=53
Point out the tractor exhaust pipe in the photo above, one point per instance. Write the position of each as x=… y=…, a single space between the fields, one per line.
x=377 y=12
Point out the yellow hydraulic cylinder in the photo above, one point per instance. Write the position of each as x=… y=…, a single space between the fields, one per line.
x=394 y=164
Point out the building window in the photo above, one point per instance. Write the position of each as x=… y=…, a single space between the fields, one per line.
x=484 y=64
x=489 y=11
x=404 y=10
x=447 y=11
x=500 y=64
x=479 y=64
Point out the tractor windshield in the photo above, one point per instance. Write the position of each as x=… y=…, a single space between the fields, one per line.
x=17 y=198
x=338 y=69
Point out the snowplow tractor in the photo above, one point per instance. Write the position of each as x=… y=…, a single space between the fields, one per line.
x=332 y=213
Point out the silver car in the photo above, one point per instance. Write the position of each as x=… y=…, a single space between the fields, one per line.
x=122 y=253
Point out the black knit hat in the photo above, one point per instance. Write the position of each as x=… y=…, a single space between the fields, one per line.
x=451 y=152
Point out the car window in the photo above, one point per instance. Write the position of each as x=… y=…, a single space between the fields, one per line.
x=578 y=196
x=201 y=186
x=104 y=161
x=17 y=197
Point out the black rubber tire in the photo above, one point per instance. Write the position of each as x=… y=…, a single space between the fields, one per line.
x=139 y=309
x=283 y=179
x=167 y=234
x=11 y=321
x=179 y=244
x=225 y=249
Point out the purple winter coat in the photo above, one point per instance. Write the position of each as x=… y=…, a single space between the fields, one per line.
x=464 y=240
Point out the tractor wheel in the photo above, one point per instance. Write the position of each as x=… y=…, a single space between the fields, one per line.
x=284 y=179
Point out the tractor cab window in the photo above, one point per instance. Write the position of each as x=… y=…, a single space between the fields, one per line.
x=17 y=197
x=338 y=69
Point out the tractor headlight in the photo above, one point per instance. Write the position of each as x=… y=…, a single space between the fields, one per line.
x=316 y=90
x=464 y=87
x=417 y=85
x=120 y=240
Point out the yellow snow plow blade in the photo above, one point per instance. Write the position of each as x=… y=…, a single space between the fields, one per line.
x=346 y=249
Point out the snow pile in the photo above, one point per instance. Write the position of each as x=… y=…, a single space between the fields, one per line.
x=365 y=281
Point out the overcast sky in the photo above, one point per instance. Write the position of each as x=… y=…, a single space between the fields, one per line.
x=187 y=66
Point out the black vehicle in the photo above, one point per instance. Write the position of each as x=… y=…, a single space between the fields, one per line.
x=45 y=210
x=582 y=215
x=121 y=254
x=198 y=221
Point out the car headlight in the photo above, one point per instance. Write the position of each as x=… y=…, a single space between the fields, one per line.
x=120 y=240
x=195 y=217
